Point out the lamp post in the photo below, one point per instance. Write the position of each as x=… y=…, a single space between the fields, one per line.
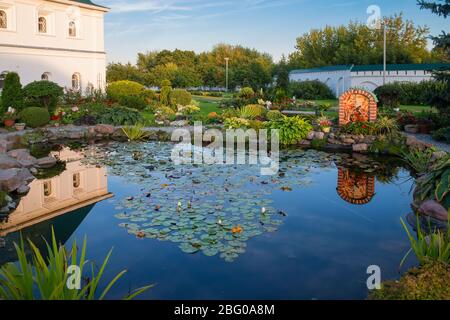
x=226 y=72
x=384 y=53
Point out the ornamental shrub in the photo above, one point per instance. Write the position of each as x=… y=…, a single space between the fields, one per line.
x=12 y=95
x=119 y=116
x=164 y=96
x=44 y=94
x=291 y=129
x=246 y=93
x=310 y=90
x=124 y=88
x=274 y=115
x=35 y=117
x=180 y=97
x=389 y=95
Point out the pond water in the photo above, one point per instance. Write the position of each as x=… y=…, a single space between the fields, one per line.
x=224 y=232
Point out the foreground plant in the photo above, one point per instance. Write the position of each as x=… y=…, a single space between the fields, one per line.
x=41 y=278
x=419 y=160
x=135 y=133
x=291 y=129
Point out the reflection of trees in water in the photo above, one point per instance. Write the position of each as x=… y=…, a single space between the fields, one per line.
x=64 y=226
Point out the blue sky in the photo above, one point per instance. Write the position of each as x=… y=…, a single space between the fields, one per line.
x=270 y=26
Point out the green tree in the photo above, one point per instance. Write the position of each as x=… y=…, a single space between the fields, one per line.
x=166 y=89
x=12 y=95
x=118 y=72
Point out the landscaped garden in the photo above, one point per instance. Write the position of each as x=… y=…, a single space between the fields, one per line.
x=347 y=194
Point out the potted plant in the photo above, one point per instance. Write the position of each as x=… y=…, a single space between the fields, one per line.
x=324 y=123
x=10 y=117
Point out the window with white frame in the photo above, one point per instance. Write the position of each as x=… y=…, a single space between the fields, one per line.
x=72 y=29
x=45 y=76
x=76 y=81
x=42 y=24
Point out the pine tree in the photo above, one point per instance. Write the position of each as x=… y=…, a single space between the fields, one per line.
x=12 y=95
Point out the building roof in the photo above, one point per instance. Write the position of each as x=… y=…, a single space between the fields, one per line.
x=324 y=69
x=89 y=2
x=376 y=67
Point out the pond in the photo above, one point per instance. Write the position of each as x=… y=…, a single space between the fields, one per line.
x=224 y=231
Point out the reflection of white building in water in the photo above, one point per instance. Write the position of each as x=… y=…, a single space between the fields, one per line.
x=77 y=187
x=369 y=77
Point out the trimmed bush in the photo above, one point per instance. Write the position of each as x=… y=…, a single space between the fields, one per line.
x=35 y=117
x=180 y=97
x=44 y=94
x=119 y=116
x=12 y=95
x=310 y=90
x=166 y=89
x=274 y=115
x=389 y=95
x=246 y=93
x=124 y=88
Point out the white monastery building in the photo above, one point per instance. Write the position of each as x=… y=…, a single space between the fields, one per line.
x=369 y=77
x=57 y=40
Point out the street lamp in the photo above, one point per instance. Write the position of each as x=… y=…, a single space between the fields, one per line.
x=226 y=72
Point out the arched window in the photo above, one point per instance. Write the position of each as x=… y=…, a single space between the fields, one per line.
x=45 y=76
x=76 y=81
x=72 y=29
x=47 y=188
x=42 y=25
x=2 y=79
x=3 y=20
x=76 y=180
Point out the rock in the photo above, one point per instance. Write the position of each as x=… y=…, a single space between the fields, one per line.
x=46 y=162
x=319 y=135
x=179 y=123
x=305 y=143
x=433 y=209
x=19 y=153
x=331 y=136
x=105 y=129
x=33 y=170
x=311 y=135
x=3 y=146
x=7 y=162
x=411 y=128
x=414 y=143
x=348 y=141
x=438 y=155
x=360 y=147
x=12 y=179
x=23 y=189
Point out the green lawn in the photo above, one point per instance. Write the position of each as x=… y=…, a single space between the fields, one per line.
x=418 y=109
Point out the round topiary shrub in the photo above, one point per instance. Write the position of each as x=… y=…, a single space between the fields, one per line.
x=180 y=97
x=43 y=94
x=246 y=93
x=35 y=117
x=274 y=115
x=124 y=88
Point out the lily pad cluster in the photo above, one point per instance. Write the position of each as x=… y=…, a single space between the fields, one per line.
x=213 y=209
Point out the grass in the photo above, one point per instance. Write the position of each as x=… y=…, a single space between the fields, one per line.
x=417 y=109
x=207 y=106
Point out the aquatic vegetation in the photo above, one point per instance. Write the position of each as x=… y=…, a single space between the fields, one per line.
x=427 y=282
x=135 y=133
x=419 y=160
x=433 y=247
x=45 y=278
x=436 y=183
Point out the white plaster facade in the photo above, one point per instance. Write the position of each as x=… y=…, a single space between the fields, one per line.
x=57 y=40
x=342 y=78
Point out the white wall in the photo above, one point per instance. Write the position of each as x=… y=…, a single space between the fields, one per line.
x=371 y=80
x=24 y=50
x=337 y=81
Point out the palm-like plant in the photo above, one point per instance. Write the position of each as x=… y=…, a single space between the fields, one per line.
x=46 y=279
x=135 y=133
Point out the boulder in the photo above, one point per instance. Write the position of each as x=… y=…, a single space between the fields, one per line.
x=438 y=155
x=305 y=143
x=433 y=209
x=3 y=146
x=7 y=162
x=12 y=179
x=414 y=143
x=179 y=123
x=360 y=147
x=23 y=189
x=105 y=129
x=319 y=135
x=411 y=128
x=311 y=135
x=19 y=153
x=46 y=162
x=348 y=141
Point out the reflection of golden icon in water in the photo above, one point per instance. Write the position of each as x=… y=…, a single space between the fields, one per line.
x=355 y=188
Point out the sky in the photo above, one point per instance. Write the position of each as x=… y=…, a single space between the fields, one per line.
x=269 y=26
